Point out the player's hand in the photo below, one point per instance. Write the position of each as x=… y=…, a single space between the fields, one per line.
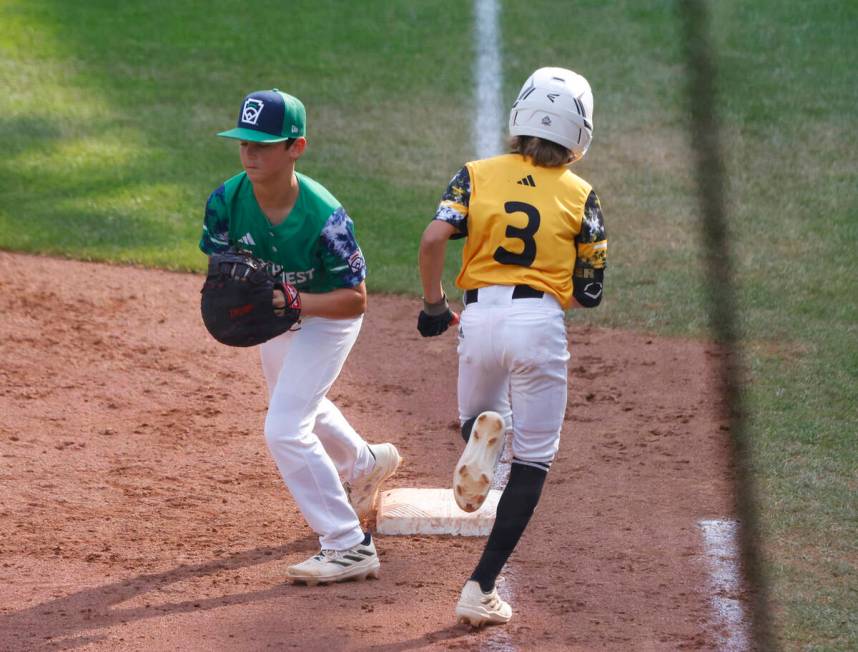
x=432 y=325
x=285 y=296
x=278 y=301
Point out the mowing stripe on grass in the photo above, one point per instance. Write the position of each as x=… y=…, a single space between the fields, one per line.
x=488 y=102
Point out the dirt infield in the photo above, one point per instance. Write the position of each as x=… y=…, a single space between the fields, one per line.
x=140 y=509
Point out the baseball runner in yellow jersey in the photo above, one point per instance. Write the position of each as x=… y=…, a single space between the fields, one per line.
x=290 y=223
x=536 y=246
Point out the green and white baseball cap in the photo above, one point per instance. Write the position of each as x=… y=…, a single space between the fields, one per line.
x=269 y=117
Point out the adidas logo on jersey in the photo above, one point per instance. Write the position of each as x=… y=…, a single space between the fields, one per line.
x=527 y=181
x=247 y=239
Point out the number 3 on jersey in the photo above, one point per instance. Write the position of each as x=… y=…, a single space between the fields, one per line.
x=528 y=254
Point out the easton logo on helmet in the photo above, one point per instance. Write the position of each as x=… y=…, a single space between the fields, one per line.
x=546 y=121
x=251 y=111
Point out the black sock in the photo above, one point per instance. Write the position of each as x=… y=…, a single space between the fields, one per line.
x=515 y=508
x=467 y=427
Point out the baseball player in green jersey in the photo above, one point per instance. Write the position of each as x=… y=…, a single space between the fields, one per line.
x=291 y=221
x=535 y=246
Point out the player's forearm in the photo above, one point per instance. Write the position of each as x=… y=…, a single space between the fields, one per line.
x=433 y=246
x=431 y=269
x=343 y=303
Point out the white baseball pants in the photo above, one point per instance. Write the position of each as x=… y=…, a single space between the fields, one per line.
x=310 y=440
x=512 y=359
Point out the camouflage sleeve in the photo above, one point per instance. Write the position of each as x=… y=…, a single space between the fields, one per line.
x=215 y=224
x=591 y=258
x=453 y=207
x=341 y=256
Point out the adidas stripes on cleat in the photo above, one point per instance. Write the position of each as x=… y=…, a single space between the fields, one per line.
x=472 y=477
x=357 y=563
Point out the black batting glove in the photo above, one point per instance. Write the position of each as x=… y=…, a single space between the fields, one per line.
x=432 y=325
x=435 y=318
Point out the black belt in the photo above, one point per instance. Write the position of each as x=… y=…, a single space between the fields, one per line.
x=520 y=292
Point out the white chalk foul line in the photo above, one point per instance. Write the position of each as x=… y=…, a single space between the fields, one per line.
x=488 y=141
x=488 y=113
x=722 y=556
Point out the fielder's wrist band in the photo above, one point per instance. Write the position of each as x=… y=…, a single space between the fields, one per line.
x=435 y=309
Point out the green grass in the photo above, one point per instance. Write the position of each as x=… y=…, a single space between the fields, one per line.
x=788 y=98
x=108 y=118
x=789 y=94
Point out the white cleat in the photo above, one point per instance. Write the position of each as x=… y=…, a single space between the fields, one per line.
x=357 y=563
x=476 y=608
x=472 y=477
x=363 y=492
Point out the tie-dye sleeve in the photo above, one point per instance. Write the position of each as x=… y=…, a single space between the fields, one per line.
x=453 y=207
x=591 y=244
x=341 y=256
x=215 y=224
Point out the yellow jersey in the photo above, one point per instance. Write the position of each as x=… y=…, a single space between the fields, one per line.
x=526 y=225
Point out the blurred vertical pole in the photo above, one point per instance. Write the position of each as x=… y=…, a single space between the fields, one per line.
x=702 y=100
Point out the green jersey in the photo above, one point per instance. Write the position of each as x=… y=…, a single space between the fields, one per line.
x=314 y=248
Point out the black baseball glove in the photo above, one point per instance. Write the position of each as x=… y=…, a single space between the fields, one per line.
x=240 y=301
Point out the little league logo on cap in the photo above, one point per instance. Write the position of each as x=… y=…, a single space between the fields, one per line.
x=250 y=112
x=269 y=117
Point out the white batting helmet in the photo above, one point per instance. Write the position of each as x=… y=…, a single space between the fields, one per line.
x=555 y=104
